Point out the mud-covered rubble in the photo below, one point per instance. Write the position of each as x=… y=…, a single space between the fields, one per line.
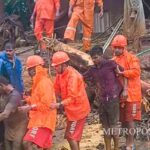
x=144 y=126
x=11 y=28
x=92 y=138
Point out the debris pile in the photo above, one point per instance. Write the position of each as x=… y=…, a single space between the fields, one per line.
x=12 y=29
x=144 y=127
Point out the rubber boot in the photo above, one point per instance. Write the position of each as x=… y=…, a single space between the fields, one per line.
x=107 y=140
x=116 y=142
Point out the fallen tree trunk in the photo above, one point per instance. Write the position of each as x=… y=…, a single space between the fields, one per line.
x=79 y=59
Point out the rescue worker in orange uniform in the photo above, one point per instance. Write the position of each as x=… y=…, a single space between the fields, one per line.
x=83 y=11
x=42 y=119
x=69 y=85
x=130 y=109
x=44 y=14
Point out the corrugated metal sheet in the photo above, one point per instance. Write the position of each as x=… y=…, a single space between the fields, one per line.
x=100 y=24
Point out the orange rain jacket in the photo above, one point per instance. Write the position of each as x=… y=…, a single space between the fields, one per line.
x=45 y=11
x=71 y=87
x=42 y=95
x=83 y=10
x=132 y=71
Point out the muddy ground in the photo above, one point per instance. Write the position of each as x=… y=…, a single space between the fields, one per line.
x=92 y=137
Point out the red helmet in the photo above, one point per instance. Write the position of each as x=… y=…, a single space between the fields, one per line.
x=33 y=61
x=119 y=41
x=59 y=58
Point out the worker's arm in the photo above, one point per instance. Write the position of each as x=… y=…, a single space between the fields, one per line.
x=72 y=92
x=100 y=5
x=72 y=3
x=57 y=6
x=88 y=75
x=57 y=86
x=32 y=20
x=27 y=107
x=72 y=89
x=57 y=93
x=45 y=98
x=33 y=16
x=64 y=6
x=1 y=67
x=118 y=70
x=133 y=71
x=3 y=70
x=13 y=101
x=20 y=77
x=7 y=111
x=124 y=94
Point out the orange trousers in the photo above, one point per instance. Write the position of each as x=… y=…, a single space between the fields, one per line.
x=87 y=29
x=43 y=25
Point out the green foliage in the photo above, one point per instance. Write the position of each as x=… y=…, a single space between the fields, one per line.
x=7 y=2
x=23 y=8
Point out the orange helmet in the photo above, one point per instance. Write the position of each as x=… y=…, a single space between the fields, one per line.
x=33 y=61
x=59 y=58
x=120 y=41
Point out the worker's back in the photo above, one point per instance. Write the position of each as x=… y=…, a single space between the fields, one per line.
x=45 y=9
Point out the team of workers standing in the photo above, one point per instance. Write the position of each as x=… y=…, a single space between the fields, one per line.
x=30 y=124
